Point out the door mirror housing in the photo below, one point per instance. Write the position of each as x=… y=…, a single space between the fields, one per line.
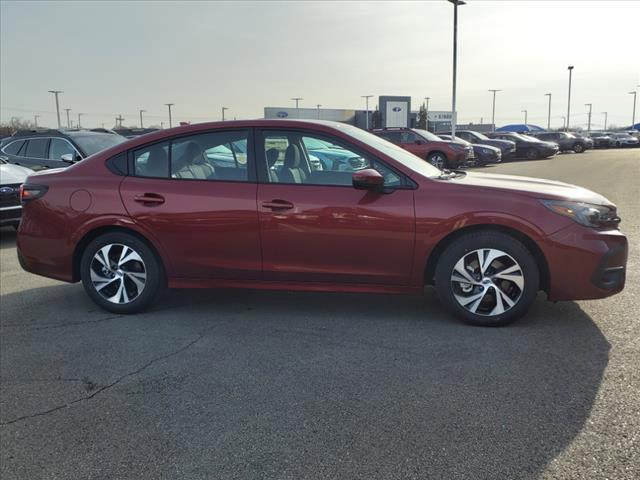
x=368 y=179
x=418 y=142
x=69 y=158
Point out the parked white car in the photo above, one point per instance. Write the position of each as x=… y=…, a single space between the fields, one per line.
x=623 y=140
x=11 y=177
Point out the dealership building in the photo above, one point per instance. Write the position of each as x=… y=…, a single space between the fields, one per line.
x=393 y=111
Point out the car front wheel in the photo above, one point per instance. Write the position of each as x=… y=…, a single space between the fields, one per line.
x=487 y=278
x=578 y=148
x=438 y=160
x=121 y=273
x=532 y=154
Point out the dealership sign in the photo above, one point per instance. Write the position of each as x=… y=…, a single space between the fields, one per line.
x=439 y=116
x=283 y=114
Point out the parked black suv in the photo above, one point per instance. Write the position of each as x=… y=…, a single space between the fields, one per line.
x=566 y=141
x=48 y=148
x=528 y=147
x=507 y=147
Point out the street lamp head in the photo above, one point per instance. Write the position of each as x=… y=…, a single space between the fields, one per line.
x=547 y=94
x=457 y=2
x=570 y=67
x=633 y=93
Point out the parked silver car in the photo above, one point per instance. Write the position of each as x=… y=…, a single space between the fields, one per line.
x=11 y=177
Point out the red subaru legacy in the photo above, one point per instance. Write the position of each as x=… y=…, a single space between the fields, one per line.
x=251 y=204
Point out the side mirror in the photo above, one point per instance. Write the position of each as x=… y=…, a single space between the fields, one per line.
x=368 y=179
x=418 y=142
x=67 y=158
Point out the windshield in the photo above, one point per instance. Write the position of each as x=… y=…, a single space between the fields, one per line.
x=481 y=136
x=399 y=154
x=528 y=138
x=94 y=143
x=427 y=135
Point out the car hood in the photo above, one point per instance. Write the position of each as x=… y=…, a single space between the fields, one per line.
x=533 y=187
x=10 y=174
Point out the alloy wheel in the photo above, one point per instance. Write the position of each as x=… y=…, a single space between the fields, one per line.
x=487 y=282
x=118 y=273
x=437 y=161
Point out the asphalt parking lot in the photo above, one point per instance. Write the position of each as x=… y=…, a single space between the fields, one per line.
x=243 y=384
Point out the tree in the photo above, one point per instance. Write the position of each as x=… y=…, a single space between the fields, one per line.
x=422 y=117
x=15 y=124
x=376 y=120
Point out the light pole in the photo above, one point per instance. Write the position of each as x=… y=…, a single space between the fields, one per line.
x=119 y=120
x=366 y=112
x=223 y=110
x=141 y=112
x=169 y=105
x=68 y=121
x=455 y=3
x=564 y=123
x=318 y=107
x=426 y=114
x=35 y=119
x=56 y=93
x=570 y=68
x=525 y=116
x=589 y=120
x=605 y=121
x=633 y=117
x=79 y=115
x=297 y=99
x=549 y=112
x=493 y=110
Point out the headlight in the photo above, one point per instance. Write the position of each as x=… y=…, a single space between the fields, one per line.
x=585 y=214
x=486 y=151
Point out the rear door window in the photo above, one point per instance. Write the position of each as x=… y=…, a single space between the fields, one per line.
x=37 y=148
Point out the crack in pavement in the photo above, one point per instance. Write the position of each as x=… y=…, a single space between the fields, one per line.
x=62 y=325
x=112 y=384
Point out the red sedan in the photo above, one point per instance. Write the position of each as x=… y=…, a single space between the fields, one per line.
x=246 y=204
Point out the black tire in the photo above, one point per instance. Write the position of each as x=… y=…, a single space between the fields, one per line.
x=618 y=144
x=464 y=247
x=438 y=160
x=578 y=148
x=532 y=154
x=151 y=266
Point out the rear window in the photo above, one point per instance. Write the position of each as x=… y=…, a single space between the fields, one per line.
x=13 y=148
x=37 y=148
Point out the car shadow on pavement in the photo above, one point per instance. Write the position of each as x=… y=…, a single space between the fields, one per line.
x=292 y=385
x=7 y=237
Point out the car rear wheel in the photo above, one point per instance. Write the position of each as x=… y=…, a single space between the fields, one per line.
x=578 y=148
x=532 y=154
x=438 y=160
x=487 y=278
x=121 y=273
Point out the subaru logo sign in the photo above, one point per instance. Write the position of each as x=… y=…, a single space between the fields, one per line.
x=396 y=109
x=6 y=190
x=283 y=114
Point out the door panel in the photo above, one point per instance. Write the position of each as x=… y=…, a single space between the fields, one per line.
x=336 y=234
x=209 y=229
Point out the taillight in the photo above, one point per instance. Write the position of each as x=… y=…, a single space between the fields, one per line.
x=29 y=192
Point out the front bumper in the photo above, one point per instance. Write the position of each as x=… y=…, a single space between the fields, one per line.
x=10 y=215
x=585 y=263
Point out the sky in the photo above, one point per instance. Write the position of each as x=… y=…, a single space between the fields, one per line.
x=115 y=58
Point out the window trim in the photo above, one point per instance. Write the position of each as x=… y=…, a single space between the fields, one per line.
x=251 y=164
x=17 y=154
x=263 y=173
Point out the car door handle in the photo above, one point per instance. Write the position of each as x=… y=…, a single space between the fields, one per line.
x=278 y=205
x=149 y=199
